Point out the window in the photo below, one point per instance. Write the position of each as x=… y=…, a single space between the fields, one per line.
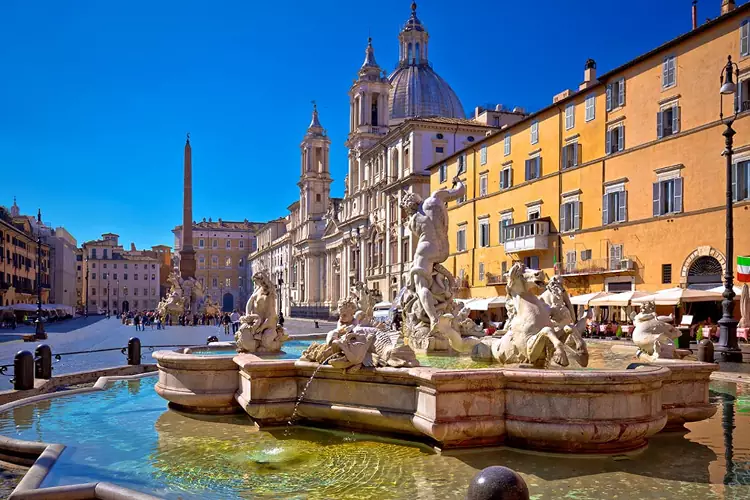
x=439 y=149
x=201 y=262
x=215 y=282
x=483 y=155
x=228 y=282
x=145 y=292
x=242 y=243
x=135 y=277
x=615 y=139
x=317 y=198
x=666 y=274
x=669 y=72
x=115 y=276
x=615 y=206
x=228 y=262
x=533 y=168
x=667 y=196
x=590 y=107
x=571 y=155
x=215 y=243
x=443 y=172
x=616 y=94
x=531 y=262
x=741 y=181
x=744 y=34
x=570 y=216
x=135 y=292
x=586 y=254
x=668 y=121
x=570 y=116
x=153 y=277
x=615 y=257
x=214 y=261
x=241 y=263
x=504 y=268
x=93 y=265
x=461 y=239
x=504 y=223
x=93 y=291
x=506 y=145
x=93 y=276
x=105 y=276
x=484 y=233
x=534 y=132
x=125 y=276
x=461 y=165
x=229 y=243
x=201 y=243
x=570 y=261
x=105 y=264
x=483 y=185
x=506 y=178
x=481 y=271
x=533 y=213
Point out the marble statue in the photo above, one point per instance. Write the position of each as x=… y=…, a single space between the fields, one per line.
x=186 y=296
x=259 y=330
x=427 y=303
x=654 y=338
x=563 y=314
x=358 y=342
x=532 y=337
x=744 y=323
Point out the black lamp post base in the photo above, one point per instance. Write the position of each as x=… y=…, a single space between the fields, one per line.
x=727 y=354
x=40 y=334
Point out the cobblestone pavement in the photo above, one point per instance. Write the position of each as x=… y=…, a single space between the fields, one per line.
x=98 y=332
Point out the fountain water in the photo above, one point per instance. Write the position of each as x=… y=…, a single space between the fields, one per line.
x=304 y=391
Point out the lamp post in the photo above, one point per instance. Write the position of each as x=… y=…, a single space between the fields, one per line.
x=86 y=285
x=40 y=334
x=108 y=287
x=728 y=349
x=117 y=295
x=279 y=283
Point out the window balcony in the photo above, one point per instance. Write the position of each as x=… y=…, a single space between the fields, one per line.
x=527 y=236
x=596 y=266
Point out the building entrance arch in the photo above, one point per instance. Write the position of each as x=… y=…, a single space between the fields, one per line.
x=125 y=306
x=704 y=273
x=227 y=302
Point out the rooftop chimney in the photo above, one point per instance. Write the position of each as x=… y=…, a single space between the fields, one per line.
x=727 y=6
x=695 y=14
x=589 y=74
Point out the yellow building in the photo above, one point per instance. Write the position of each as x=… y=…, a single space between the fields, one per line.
x=619 y=185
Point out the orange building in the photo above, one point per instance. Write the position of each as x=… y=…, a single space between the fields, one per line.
x=619 y=185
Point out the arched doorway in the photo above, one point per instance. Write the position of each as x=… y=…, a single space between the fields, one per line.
x=704 y=273
x=228 y=302
x=125 y=306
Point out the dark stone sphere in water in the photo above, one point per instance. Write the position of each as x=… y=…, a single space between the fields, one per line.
x=212 y=338
x=498 y=483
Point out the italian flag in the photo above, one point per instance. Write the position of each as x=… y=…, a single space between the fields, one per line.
x=743 y=269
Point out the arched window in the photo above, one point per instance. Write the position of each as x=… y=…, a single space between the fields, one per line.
x=705 y=271
x=410 y=55
x=417 y=55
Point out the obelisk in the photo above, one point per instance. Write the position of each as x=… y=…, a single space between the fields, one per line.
x=187 y=253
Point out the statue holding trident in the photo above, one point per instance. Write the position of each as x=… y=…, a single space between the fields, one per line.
x=428 y=301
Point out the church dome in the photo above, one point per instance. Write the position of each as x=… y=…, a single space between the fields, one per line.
x=416 y=89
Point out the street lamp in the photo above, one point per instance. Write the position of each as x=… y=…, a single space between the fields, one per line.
x=728 y=349
x=40 y=333
x=108 y=287
x=117 y=295
x=86 y=285
x=279 y=283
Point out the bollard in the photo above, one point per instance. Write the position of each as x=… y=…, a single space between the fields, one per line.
x=497 y=483
x=43 y=362
x=134 y=351
x=212 y=338
x=23 y=368
x=706 y=351
x=316 y=324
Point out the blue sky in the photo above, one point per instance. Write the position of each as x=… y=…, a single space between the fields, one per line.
x=96 y=96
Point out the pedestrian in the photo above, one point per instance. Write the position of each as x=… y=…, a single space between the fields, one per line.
x=235 y=321
x=226 y=320
x=281 y=319
x=137 y=321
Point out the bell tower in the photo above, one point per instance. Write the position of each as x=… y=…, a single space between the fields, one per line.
x=315 y=176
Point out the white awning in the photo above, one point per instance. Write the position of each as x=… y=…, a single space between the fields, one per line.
x=485 y=303
x=720 y=289
x=674 y=296
x=618 y=299
x=583 y=300
x=382 y=305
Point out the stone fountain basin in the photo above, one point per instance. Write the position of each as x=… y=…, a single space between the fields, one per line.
x=199 y=384
x=569 y=411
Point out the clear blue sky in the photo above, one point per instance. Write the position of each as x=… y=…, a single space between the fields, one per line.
x=96 y=95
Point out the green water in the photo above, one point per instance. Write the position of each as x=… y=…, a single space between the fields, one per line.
x=291 y=349
x=126 y=435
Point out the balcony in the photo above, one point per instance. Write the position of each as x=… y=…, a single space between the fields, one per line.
x=495 y=279
x=596 y=266
x=527 y=236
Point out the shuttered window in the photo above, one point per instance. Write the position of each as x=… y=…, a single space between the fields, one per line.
x=669 y=72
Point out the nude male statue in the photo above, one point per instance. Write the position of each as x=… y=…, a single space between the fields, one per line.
x=429 y=222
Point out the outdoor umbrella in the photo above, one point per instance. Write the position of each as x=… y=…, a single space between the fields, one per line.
x=584 y=300
x=674 y=296
x=618 y=299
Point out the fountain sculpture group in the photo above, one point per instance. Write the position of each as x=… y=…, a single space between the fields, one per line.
x=259 y=329
x=186 y=297
x=366 y=376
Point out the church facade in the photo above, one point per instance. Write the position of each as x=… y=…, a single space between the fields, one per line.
x=399 y=125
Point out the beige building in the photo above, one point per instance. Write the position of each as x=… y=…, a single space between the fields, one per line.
x=272 y=254
x=110 y=278
x=222 y=249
